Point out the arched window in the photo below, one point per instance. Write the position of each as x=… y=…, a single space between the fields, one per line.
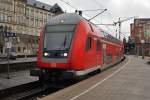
x=1 y=29
x=5 y=29
x=10 y=29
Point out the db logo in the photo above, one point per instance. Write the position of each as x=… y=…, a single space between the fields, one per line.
x=53 y=65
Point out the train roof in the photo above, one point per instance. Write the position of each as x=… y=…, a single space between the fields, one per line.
x=67 y=18
x=73 y=18
x=106 y=36
x=110 y=38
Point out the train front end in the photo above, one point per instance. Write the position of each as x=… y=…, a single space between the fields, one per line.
x=55 y=46
x=55 y=49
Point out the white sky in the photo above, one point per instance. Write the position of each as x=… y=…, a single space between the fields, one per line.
x=116 y=9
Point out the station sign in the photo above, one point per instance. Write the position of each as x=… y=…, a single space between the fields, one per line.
x=8 y=45
x=9 y=34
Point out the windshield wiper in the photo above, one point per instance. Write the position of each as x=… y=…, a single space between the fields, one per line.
x=65 y=41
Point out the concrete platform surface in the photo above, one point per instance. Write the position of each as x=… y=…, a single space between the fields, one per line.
x=19 y=60
x=129 y=80
x=16 y=78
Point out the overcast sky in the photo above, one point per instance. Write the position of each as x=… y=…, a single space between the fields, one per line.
x=116 y=9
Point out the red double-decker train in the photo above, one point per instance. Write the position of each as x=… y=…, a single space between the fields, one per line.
x=70 y=46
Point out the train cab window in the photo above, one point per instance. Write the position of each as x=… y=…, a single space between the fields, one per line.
x=88 y=43
x=98 y=45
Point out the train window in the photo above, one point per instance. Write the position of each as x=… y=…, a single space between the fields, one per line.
x=98 y=45
x=88 y=43
x=58 y=37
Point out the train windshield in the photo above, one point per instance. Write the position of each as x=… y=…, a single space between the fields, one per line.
x=58 y=37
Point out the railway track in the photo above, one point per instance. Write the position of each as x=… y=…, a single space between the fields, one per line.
x=35 y=93
x=10 y=93
x=33 y=90
x=44 y=90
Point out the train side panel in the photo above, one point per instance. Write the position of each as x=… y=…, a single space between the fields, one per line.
x=78 y=46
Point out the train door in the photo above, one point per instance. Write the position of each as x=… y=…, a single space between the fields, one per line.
x=98 y=52
x=91 y=52
x=88 y=52
x=104 y=53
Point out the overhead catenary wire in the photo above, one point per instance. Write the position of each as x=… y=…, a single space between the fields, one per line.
x=97 y=14
x=79 y=9
x=113 y=21
x=67 y=3
x=108 y=11
x=92 y=10
x=99 y=4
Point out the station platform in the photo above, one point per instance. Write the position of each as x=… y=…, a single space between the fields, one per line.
x=18 y=60
x=129 y=80
x=18 y=64
x=16 y=79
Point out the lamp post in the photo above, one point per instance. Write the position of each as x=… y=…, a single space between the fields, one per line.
x=142 y=43
x=8 y=39
x=8 y=46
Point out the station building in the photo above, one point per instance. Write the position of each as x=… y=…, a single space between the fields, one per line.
x=140 y=34
x=24 y=18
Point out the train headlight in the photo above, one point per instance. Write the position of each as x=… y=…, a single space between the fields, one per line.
x=46 y=54
x=62 y=21
x=65 y=54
